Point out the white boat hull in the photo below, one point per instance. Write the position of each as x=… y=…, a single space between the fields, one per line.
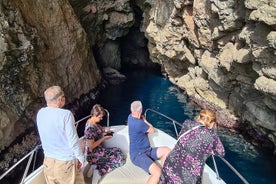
x=129 y=173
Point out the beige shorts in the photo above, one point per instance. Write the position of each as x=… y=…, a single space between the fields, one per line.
x=62 y=172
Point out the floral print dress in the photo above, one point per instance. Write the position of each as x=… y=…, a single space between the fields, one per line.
x=185 y=163
x=106 y=159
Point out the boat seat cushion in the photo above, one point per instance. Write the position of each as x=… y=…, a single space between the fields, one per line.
x=128 y=173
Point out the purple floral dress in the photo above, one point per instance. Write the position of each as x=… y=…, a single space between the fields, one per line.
x=106 y=159
x=185 y=163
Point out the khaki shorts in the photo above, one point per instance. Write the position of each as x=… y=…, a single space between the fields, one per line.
x=62 y=172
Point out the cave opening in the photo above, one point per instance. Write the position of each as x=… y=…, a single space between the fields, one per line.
x=133 y=46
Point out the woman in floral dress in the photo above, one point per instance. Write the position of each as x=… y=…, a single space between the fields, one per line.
x=197 y=141
x=106 y=159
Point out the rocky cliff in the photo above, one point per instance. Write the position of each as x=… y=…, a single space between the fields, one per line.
x=221 y=53
x=42 y=44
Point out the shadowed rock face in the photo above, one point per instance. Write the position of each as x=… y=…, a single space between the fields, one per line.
x=42 y=44
x=222 y=53
x=105 y=22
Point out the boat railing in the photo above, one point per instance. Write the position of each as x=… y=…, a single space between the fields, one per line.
x=32 y=155
x=176 y=123
x=86 y=117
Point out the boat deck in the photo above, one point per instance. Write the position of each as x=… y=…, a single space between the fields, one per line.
x=131 y=174
x=128 y=173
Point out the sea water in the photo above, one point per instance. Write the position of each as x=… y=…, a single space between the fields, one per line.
x=158 y=93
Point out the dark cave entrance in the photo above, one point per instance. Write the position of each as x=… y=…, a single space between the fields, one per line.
x=134 y=50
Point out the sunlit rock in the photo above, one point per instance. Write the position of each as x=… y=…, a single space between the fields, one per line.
x=266 y=85
x=264 y=13
x=233 y=44
x=271 y=38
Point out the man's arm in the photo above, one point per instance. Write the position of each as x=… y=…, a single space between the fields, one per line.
x=73 y=138
x=151 y=128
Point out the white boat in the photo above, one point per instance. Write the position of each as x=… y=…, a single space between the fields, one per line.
x=129 y=173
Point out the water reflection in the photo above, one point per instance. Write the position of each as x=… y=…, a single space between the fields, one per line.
x=236 y=143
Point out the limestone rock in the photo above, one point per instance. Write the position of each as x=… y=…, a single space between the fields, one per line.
x=104 y=21
x=264 y=13
x=271 y=38
x=113 y=76
x=226 y=55
x=43 y=44
x=118 y=24
x=263 y=117
x=242 y=56
x=233 y=46
x=109 y=55
x=266 y=85
x=255 y=4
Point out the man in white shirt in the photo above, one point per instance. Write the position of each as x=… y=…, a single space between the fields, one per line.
x=63 y=154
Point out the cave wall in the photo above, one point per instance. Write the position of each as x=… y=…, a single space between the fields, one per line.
x=42 y=44
x=220 y=52
x=105 y=22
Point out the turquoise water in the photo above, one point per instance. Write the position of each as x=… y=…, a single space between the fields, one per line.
x=159 y=94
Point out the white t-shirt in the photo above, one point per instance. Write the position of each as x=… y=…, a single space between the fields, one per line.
x=58 y=134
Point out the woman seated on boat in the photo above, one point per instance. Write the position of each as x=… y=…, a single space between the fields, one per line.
x=197 y=141
x=105 y=159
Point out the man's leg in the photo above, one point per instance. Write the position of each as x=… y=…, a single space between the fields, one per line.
x=67 y=172
x=162 y=153
x=155 y=173
x=146 y=162
x=48 y=170
x=154 y=169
